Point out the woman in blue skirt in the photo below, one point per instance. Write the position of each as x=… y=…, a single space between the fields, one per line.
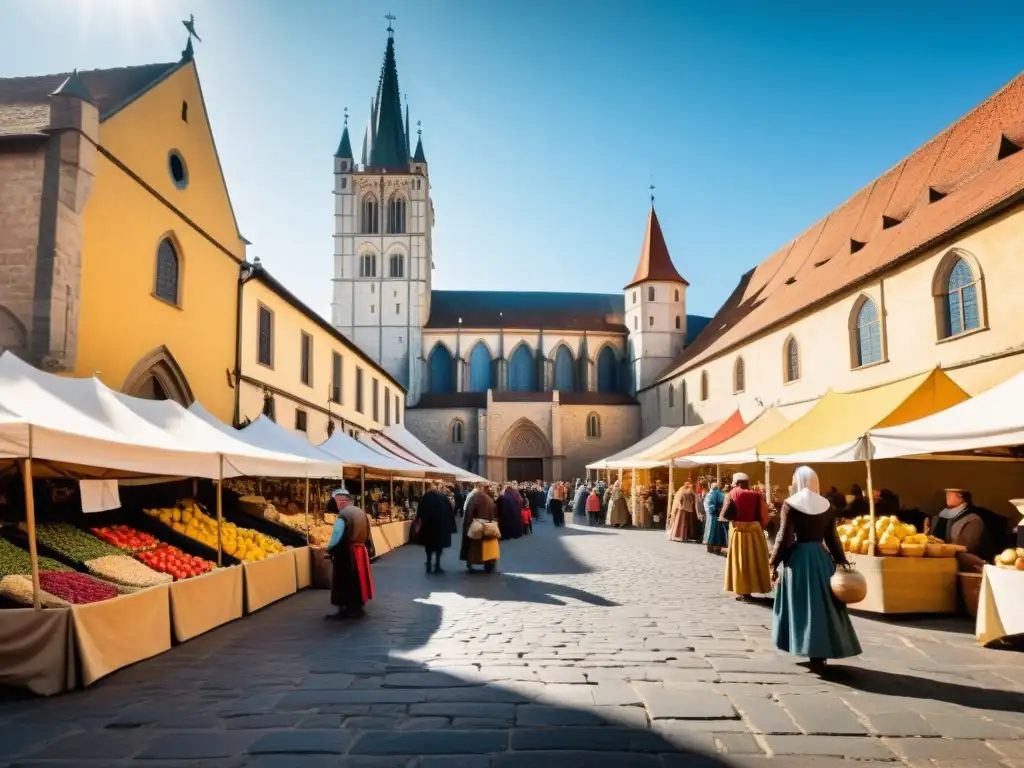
x=809 y=620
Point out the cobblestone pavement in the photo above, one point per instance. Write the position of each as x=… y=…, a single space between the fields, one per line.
x=589 y=648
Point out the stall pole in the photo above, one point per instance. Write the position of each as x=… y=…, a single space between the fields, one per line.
x=307 y=511
x=220 y=510
x=30 y=522
x=671 y=495
x=362 y=488
x=718 y=474
x=871 y=510
x=391 y=496
x=768 y=480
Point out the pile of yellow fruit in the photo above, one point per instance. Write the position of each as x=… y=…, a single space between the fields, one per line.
x=242 y=543
x=892 y=537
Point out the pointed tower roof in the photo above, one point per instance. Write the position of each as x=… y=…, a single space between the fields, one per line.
x=655 y=263
x=73 y=86
x=369 y=134
x=418 y=156
x=389 y=149
x=408 y=135
x=345 y=147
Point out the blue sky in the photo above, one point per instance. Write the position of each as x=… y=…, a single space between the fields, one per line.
x=544 y=121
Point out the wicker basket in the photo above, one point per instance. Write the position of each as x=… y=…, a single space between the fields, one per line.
x=970 y=592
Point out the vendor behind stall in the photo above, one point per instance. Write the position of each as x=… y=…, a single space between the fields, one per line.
x=963 y=523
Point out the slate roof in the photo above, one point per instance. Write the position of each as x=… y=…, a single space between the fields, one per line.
x=390 y=148
x=546 y=310
x=344 y=146
x=111 y=89
x=655 y=262
x=23 y=119
x=952 y=182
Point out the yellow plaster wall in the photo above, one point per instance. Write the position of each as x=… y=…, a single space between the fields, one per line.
x=285 y=373
x=121 y=321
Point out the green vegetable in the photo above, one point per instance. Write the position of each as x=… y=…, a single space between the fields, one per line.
x=15 y=561
x=74 y=543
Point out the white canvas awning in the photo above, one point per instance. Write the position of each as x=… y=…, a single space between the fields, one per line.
x=992 y=419
x=656 y=454
x=263 y=438
x=652 y=439
x=353 y=453
x=82 y=422
x=410 y=444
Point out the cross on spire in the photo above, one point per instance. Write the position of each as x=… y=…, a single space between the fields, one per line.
x=419 y=130
x=346 y=117
x=651 y=188
x=390 y=17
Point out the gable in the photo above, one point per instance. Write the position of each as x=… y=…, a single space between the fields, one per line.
x=142 y=135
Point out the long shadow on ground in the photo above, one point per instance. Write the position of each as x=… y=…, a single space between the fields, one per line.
x=418 y=677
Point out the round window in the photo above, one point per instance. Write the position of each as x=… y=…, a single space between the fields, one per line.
x=179 y=173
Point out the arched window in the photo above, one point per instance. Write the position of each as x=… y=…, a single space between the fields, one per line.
x=167 y=271
x=677 y=294
x=564 y=370
x=593 y=425
x=961 y=307
x=867 y=334
x=480 y=368
x=522 y=373
x=791 y=359
x=457 y=430
x=370 y=215
x=650 y=293
x=368 y=265
x=671 y=395
x=441 y=370
x=396 y=215
x=679 y=322
x=704 y=385
x=739 y=376
x=607 y=378
x=396 y=265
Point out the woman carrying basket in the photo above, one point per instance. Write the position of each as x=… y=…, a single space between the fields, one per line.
x=476 y=548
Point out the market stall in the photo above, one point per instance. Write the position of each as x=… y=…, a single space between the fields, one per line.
x=1001 y=605
x=397 y=439
x=205 y=602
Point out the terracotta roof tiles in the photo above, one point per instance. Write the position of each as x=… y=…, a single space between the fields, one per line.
x=962 y=162
x=655 y=262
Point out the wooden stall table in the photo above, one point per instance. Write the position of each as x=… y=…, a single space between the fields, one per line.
x=303 y=567
x=381 y=540
x=907 y=584
x=202 y=603
x=267 y=581
x=1001 y=605
x=37 y=651
x=114 y=633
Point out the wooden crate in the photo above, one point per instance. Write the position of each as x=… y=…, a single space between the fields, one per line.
x=908 y=584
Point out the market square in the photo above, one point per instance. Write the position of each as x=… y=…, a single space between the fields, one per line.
x=433 y=466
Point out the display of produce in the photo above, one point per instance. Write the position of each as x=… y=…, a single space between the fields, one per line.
x=126 y=538
x=892 y=538
x=242 y=543
x=15 y=561
x=18 y=589
x=73 y=543
x=125 y=570
x=1011 y=558
x=77 y=588
x=172 y=561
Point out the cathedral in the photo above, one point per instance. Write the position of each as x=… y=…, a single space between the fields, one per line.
x=510 y=385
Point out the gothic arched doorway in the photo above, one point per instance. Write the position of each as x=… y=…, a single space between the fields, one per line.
x=526 y=451
x=157 y=376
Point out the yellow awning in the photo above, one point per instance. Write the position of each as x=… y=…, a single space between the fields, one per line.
x=742 y=447
x=840 y=417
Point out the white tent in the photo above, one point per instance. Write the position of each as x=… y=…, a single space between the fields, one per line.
x=263 y=444
x=82 y=422
x=655 y=454
x=992 y=419
x=652 y=439
x=411 y=445
x=350 y=451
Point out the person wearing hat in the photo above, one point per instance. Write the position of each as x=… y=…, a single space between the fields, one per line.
x=351 y=579
x=746 y=567
x=962 y=523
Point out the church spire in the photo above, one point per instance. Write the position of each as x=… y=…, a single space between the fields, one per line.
x=390 y=148
x=419 y=157
x=408 y=136
x=345 y=147
x=368 y=136
x=655 y=262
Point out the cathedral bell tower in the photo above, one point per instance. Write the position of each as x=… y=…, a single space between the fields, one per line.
x=655 y=309
x=382 y=236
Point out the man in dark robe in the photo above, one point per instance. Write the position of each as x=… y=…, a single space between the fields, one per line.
x=434 y=526
x=963 y=523
x=351 y=579
x=510 y=513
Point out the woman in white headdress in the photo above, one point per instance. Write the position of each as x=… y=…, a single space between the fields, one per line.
x=809 y=621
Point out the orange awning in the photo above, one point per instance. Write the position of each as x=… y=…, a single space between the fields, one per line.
x=726 y=429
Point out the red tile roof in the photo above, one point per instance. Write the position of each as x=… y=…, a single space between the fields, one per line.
x=961 y=162
x=655 y=263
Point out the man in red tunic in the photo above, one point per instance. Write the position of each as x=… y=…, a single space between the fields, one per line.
x=351 y=579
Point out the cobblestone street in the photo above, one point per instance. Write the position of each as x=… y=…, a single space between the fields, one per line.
x=589 y=648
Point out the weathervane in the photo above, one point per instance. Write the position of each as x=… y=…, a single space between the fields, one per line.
x=419 y=130
x=651 y=188
x=190 y=25
x=390 y=17
x=346 y=117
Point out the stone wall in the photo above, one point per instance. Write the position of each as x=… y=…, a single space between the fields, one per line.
x=619 y=429
x=433 y=427
x=21 y=190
